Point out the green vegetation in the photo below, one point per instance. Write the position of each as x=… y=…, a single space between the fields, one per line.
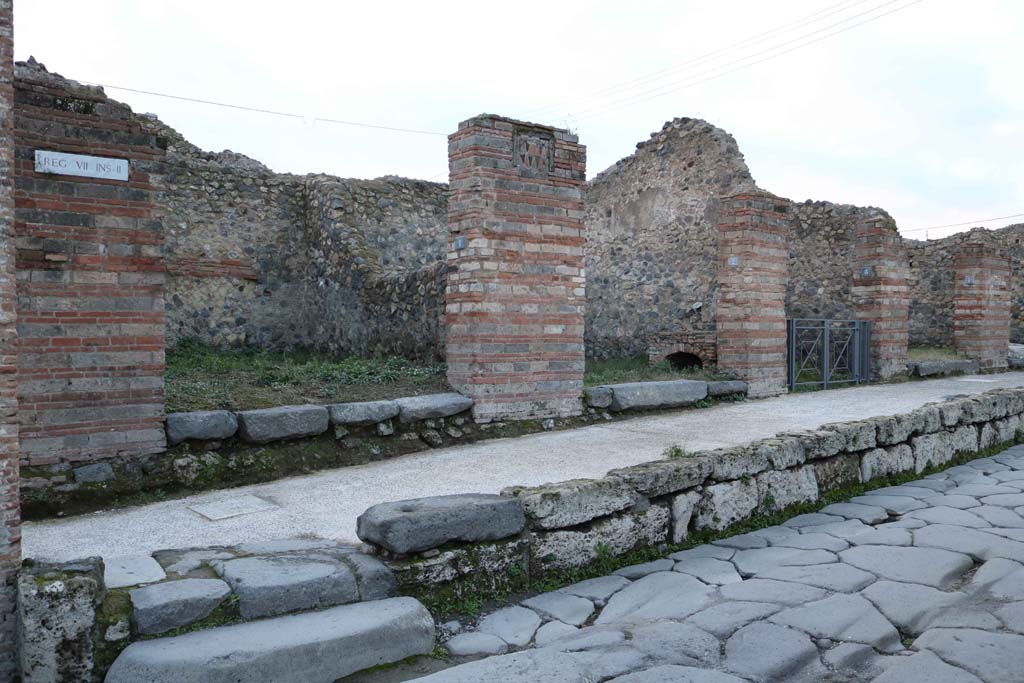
x=606 y=563
x=619 y=370
x=200 y=377
x=675 y=451
x=922 y=352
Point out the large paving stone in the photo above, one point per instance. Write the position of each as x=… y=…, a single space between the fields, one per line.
x=413 y=408
x=553 y=631
x=724 y=618
x=769 y=590
x=270 y=586
x=896 y=505
x=665 y=595
x=834 y=577
x=948 y=515
x=869 y=514
x=811 y=541
x=286 y=422
x=751 y=562
x=570 y=609
x=374 y=579
x=568 y=503
x=726 y=387
x=928 y=566
x=763 y=651
x=923 y=667
x=845 y=618
x=672 y=642
x=661 y=477
x=408 y=526
x=362 y=413
x=717 y=552
x=165 y=606
x=131 y=570
x=811 y=519
x=475 y=643
x=671 y=673
x=909 y=606
x=202 y=424
x=993 y=657
x=652 y=395
x=514 y=625
x=316 y=647
x=597 y=590
x=709 y=570
x=977 y=543
x=845 y=529
x=952 y=500
x=889 y=536
x=639 y=571
x=1008 y=500
x=545 y=665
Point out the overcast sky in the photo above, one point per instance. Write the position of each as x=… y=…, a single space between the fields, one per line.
x=920 y=112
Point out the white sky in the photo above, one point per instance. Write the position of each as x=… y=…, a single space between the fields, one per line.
x=920 y=112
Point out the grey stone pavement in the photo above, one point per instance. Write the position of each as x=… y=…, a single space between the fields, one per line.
x=919 y=583
x=326 y=504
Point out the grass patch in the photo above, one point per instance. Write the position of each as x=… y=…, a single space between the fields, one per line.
x=199 y=377
x=606 y=563
x=619 y=370
x=923 y=352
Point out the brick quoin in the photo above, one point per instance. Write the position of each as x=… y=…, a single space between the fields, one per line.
x=91 y=271
x=516 y=284
x=10 y=510
x=981 y=301
x=881 y=293
x=750 y=316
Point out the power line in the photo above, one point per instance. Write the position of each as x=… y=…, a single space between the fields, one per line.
x=259 y=110
x=654 y=93
x=960 y=225
x=746 y=42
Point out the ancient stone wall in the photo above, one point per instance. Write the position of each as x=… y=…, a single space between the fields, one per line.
x=651 y=248
x=90 y=267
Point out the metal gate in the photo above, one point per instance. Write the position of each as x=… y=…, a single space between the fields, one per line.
x=825 y=353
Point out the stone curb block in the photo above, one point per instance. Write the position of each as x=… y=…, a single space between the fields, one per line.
x=363 y=413
x=651 y=395
x=202 y=424
x=286 y=422
x=568 y=503
x=727 y=388
x=413 y=408
x=408 y=526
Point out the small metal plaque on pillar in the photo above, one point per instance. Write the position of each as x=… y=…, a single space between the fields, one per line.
x=81 y=165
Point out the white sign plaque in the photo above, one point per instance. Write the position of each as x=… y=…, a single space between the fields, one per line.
x=81 y=165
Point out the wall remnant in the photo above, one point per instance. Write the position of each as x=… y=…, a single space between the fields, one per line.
x=981 y=303
x=881 y=294
x=750 y=318
x=516 y=284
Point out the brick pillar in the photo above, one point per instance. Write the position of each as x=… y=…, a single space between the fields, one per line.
x=981 y=302
x=753 y=248
x=881 y=293
x=10 y=510
x=516 y=284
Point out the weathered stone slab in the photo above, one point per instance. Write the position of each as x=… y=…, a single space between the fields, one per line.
x=778 y=489
x=811 y=541
x=597 y=590
x=270 y=586
x=132 y=570
x=286 y=422
x=728 y=464
x=726 y=388
x=408 y=526
x=895 y=505
x=413 y=408
x=514 y=625
x=569 y=609
x=165 y=606
x=940 y=368
x=598 y=397
x=665 y=595
x=992 y=657
x=661 y=477
x=476 y=643
x=709 y=570
x=566 y=548
x=374 y=579
x=202 y=424
x=568 y=503
x=865 y=513
x=362 y=413
x=879 y=462
x=846 y=618
x=858 y=436
x=315 y=647
x=774 y=592
x=763 y=651
x=95 y=473
x=724 y=618
x=757 y=560
x=639 y=571
x=553 y=631
x=725 y=504
x=671 y=673
x=923 y=667
x=837 y=577
x=677 y=643
x=928 y=566
x=654 y=395
x=949 y=515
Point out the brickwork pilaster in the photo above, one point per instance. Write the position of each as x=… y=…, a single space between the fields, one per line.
x=753 y=254
x=981 y=302
x=881 y=293
x=10 y=511
x=516 y=284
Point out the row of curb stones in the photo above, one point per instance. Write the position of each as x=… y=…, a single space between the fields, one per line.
x=659 y=395
x=266 y=425
x=562 y=525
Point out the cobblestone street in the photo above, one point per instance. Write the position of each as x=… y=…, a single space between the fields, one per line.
x=922 y=582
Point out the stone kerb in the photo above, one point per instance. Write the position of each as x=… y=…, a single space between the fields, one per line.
x=516 y=285
x=981 y=302
x=881 y=293
x=569 y=524
x=753 y=252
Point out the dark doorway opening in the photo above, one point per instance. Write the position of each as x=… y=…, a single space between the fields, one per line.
x=680 y=360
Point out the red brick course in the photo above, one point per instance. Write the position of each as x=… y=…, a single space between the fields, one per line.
x=91 y=271
x=750 y=315
x=516 y=284
x=981 y=302
x=881 y=293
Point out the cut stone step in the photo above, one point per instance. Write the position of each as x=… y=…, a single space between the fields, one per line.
x=315 y=647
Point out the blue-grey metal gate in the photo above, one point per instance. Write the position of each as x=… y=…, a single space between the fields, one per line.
x=825 y=353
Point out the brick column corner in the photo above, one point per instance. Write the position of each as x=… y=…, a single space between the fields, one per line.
x=981 y=301
x=753 y=270
x=516 y=284
x=10 y=510
x=881 y=293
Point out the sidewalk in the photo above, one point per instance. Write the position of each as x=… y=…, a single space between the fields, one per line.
x=327 y=504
